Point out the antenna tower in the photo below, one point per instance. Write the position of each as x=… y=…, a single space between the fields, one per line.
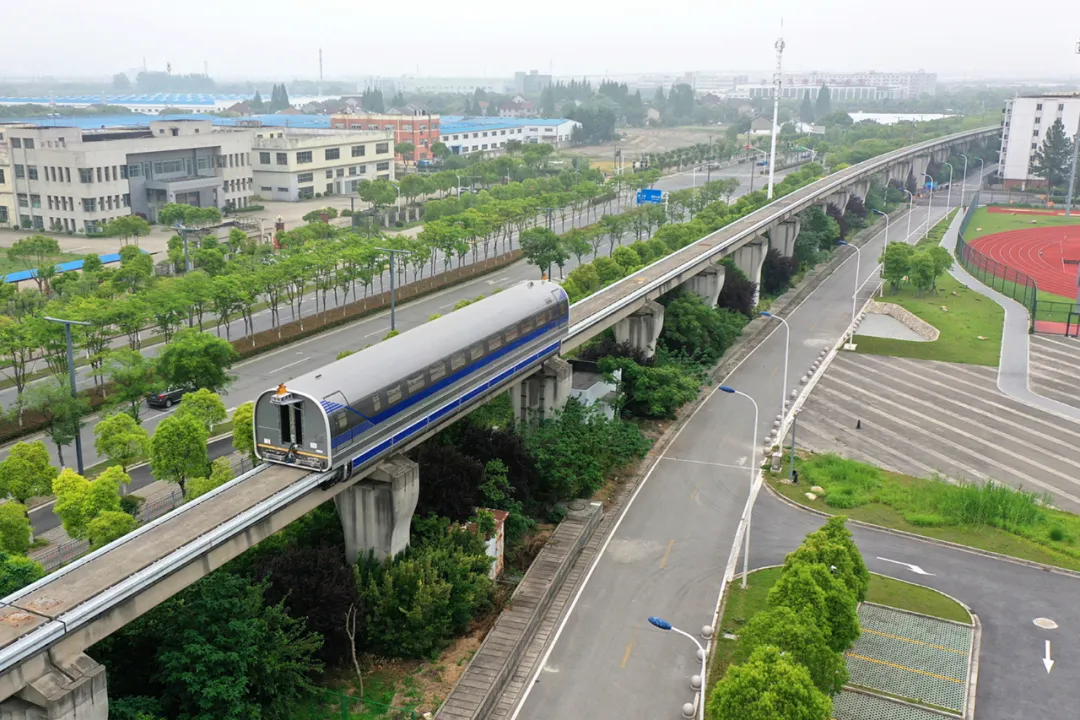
x=778 y=82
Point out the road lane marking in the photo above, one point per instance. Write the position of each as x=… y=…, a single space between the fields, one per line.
x=903 y=667
x=629 y=648
x=663 y=563
x=160 y=414
x=381 y=330
x=705 y=462
x=303 y=359
x=916 y=642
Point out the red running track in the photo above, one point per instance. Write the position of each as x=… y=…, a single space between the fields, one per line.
x=1042 y=253
x=1003 y=209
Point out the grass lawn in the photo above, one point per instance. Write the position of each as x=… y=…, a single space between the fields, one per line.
x=899 y=594
x=984 y=222
x=9 y=266
x=997 y=519
x=968 y=315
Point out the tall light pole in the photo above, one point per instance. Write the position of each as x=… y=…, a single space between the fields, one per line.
x=855 y=294
x=910 y=212
x=393 y=324
x=777 y=83
x=787 y=353
x=963 y=184
x=665 y=625
x=753 y=476
x=71 y=379
x=982 y=169
x=1072 y=168
x=948 y=191
x=886 y=216
x=929 y=205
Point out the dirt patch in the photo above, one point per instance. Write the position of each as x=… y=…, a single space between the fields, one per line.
x=425 y=685
x=641 y=141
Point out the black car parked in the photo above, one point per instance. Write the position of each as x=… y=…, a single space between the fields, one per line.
x=167 y=398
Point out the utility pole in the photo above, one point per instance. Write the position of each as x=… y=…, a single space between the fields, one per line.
x=1072 y=169
x=393 y=314
x=71 y=379
x=778 y=83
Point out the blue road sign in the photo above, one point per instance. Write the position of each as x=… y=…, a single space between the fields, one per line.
x=649 y=195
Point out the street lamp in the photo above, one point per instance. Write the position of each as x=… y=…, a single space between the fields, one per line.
x=910 y=212
x=886 y=216
x=71 y=375
x=787 y=352
x=753 y=461
x=930 y=204
x=665 y=625
x=963 y=184
x=982 y=169
x=393 y=324
x=855 y=294
x=948 y=192
x=183 y=236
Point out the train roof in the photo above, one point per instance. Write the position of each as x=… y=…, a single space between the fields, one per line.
x=399 y=357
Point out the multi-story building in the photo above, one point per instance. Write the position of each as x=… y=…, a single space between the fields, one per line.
x=72 y=180
x=291 y=164
x=7 y=198
x=1025 y=122
x=531 y=83
x=465 y=136
x=419 y=128
x=791 y=91
x=451 y=84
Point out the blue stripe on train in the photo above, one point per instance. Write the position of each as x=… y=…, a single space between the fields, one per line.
x=367 y=425
x=385 y=445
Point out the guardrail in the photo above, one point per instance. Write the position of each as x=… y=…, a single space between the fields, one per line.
x=777 y=210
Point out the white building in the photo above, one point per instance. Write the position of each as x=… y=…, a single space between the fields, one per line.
x=292 y=164
x=791 y=91
x=71 y=180
x=453 y=84
x=1025 y=121
x=468 y=135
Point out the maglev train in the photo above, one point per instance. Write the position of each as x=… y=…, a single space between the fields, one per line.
x=353 y=410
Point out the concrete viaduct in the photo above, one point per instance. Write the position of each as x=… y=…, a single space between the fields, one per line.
x=46 y=627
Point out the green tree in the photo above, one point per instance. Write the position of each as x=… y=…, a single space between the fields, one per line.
x=178 y=450
x=205 y=406
x=768 y=686
x=120 y=439
x=651 y=391
x=806 y=109
x=823 y=105
x=405 y=150
x=244 y=430
x=196 y=359
x=133 y=378
x=836 y=531
x=942 y=261
x=921 y=271
x=36 y=252
x=799 y=637
x=16 y=572
x=15 y=528
x=440 y=150
x=220 y=473
x=1053 y=159
x=380 y=193
x=576 y=243
x=79 y=501
x=63 y=413
x=27 y=472
x=542 y=248
x=813 y=589
x=127 y=227
x=896 y=264
x=107 y=526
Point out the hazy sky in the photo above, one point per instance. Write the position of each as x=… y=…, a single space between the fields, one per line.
x=280 y=39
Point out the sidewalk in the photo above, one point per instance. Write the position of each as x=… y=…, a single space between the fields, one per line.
x=1013 y=366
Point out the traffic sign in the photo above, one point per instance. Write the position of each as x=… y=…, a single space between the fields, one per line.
x=650 y=195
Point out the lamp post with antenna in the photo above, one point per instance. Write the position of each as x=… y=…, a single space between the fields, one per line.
x=929 y=205
x=71 y=379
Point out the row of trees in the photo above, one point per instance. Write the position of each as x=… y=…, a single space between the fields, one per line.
x=790 y=656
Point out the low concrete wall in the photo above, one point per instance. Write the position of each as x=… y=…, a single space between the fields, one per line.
x=913 y=322
x=479 y=687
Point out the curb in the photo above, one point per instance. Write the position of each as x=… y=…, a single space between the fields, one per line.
x=932 y=541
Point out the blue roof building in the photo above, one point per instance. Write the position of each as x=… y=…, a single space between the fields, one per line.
x=467 y=135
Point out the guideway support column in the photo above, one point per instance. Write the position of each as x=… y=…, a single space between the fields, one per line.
x=376 y=512
x=642 y=328
x=749 y=258
x=539 y=396
x=73 y=689
x=783 y=236
x=707 y=284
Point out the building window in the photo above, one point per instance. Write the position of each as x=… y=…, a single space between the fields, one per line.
x=24 y=200
x=305 y=177
x=382 y=148
x=20 y=172
x=284 y=190
x=362 y=169
x=406 y=128
x=341 y=172
x=282 y=158
x=303 y=157
x=98 y=172
x=372 y=127
x=1061 y=107
x=123 y=172
x=127 y=199
x=1035 y=132
x=89 y=204
x=16 y=142
x=332 y=153
x=484 y=146
x=359 y=151
x=390 y=128
x=352 y=171
x=134 y=171
x=67 y=174
x=265 y=188
x=329 y=173
x=1038 y=106
x=329 y=188
x=28 y=143
x=165 y=167
x=31 y=172
x=264 y=158
x=203 y=163
x=306 y=192
x=382 y=166
x=2 y=178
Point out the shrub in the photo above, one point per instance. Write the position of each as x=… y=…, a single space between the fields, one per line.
x=738 y=290
x=777 y=272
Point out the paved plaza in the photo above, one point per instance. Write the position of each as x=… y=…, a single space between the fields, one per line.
x=1055 y=368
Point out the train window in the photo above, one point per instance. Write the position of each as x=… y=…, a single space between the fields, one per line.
x=437 y=371
x=494 y=343
x=457 y=361
x=375 y=404
x=342 y=421
x=511 y=333
x=298 y=416
x=393 y=394
x=285 y=415
x=476 y=352
x=415 y=383
x=528 y=324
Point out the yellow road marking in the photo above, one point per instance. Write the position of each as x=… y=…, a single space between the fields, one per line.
x=629 y=647
x=667 y=554
x=693 y=495
x=904 y=667
x=917 y=642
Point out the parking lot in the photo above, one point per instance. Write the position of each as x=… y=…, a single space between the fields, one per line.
x=923 y=418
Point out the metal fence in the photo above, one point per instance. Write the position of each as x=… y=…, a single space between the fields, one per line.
x=327 y=705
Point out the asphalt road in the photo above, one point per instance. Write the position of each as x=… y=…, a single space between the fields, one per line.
x=668 y=553
x=1007 y=597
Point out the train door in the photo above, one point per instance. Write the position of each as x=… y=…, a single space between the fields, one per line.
x=291 y=422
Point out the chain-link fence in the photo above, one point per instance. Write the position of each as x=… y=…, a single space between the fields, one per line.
x=331 y=705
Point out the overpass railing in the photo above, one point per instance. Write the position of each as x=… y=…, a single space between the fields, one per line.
x=762 y=219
